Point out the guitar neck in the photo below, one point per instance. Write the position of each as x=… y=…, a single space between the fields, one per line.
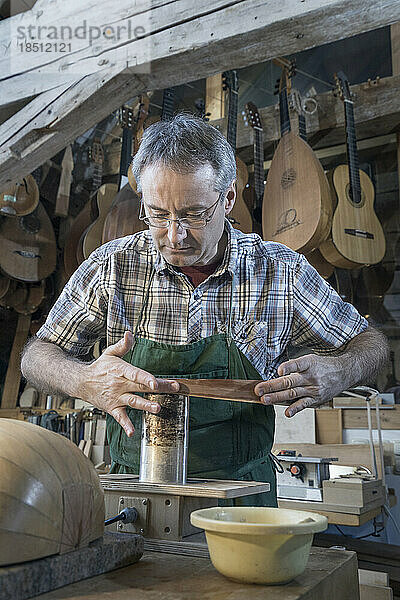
x=284 y=111
x=352 y=153
x=232 y=118
x=258 y=166
x=302 y=127
x=167 y=111
x=126 y=156
x=97 y=176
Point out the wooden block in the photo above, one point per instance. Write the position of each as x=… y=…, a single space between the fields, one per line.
x=357 y=418
x=215 y=97
x=335 y=518
x=348 y=401
x=373 y=577
x=299 y=429
x=375 y=592
x=11 y=413
x=352 y=492
x=328 y=425
x=100 y=454
x=82 y=445
x=13 y=376
x=87 y=451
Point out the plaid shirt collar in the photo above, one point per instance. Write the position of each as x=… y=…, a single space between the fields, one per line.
x=229 y=262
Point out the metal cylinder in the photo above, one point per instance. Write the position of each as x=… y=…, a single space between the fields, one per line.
x=163 y=455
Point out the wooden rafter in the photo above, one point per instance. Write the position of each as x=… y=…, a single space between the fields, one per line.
x=377 y=112
x=195 y=43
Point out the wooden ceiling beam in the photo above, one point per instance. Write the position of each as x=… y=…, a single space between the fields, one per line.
x=376 y=110
x=227 y=36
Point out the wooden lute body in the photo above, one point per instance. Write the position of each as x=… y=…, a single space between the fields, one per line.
x=297 y=205
x=28 y=246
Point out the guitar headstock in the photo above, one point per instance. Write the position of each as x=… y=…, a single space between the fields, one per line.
x=288 y=72
x=230 y=81
x=342 y=87
x=252 y=116
x=125 y=117
x=96 y=153
x=200 y=106
x=143 y=111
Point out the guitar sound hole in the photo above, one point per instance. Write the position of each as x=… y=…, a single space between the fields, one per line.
x=30 y=224
x=359 y=202
x=288 y=178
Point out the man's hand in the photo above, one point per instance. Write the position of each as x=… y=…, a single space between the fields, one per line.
x=307 y=381
x=111 y=384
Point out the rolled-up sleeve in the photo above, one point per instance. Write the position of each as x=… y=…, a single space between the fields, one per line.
x=321 y=319
x=78 y=318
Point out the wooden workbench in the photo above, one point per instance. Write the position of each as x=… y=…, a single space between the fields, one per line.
x=175 y=577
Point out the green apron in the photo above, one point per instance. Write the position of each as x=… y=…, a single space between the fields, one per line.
x=227 y=440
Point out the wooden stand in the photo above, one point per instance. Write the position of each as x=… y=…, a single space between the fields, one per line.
x=164 y=509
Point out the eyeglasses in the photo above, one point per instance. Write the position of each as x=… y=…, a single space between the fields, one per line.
x=197 y=222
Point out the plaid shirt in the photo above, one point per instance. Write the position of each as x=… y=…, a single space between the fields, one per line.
x=278 y=300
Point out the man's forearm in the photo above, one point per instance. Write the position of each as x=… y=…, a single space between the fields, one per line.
x=364 y=357
x=49 y=369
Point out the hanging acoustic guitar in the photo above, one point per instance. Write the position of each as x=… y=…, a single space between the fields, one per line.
x=357 y=236
x=21 y=198
x=240 y=213
x=297 y=205
x=254 y=191
x=28 y=247
x=123 y=216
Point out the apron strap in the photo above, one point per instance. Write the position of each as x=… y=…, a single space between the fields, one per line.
x=143 y=307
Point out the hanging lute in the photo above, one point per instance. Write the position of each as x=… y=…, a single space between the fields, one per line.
x=297 y=204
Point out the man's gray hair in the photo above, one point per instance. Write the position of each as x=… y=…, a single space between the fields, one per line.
x=184 y=144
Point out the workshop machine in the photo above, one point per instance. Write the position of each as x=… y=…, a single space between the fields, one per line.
x=161 y=494
x=301 y=477
x=308 y=479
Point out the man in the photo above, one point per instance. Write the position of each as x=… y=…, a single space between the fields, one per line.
x=193 y=297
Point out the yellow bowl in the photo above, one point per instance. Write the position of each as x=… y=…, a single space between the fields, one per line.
x=255 y=544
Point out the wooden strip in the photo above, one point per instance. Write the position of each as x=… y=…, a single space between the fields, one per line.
x=62 y=200
x=354 y=418
x=375 y=592
x=337 y=518
x=13 y=378
x=373 y=577
x=236 y=390
x=328 y=424
x=210 y=488
x=215 y=97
